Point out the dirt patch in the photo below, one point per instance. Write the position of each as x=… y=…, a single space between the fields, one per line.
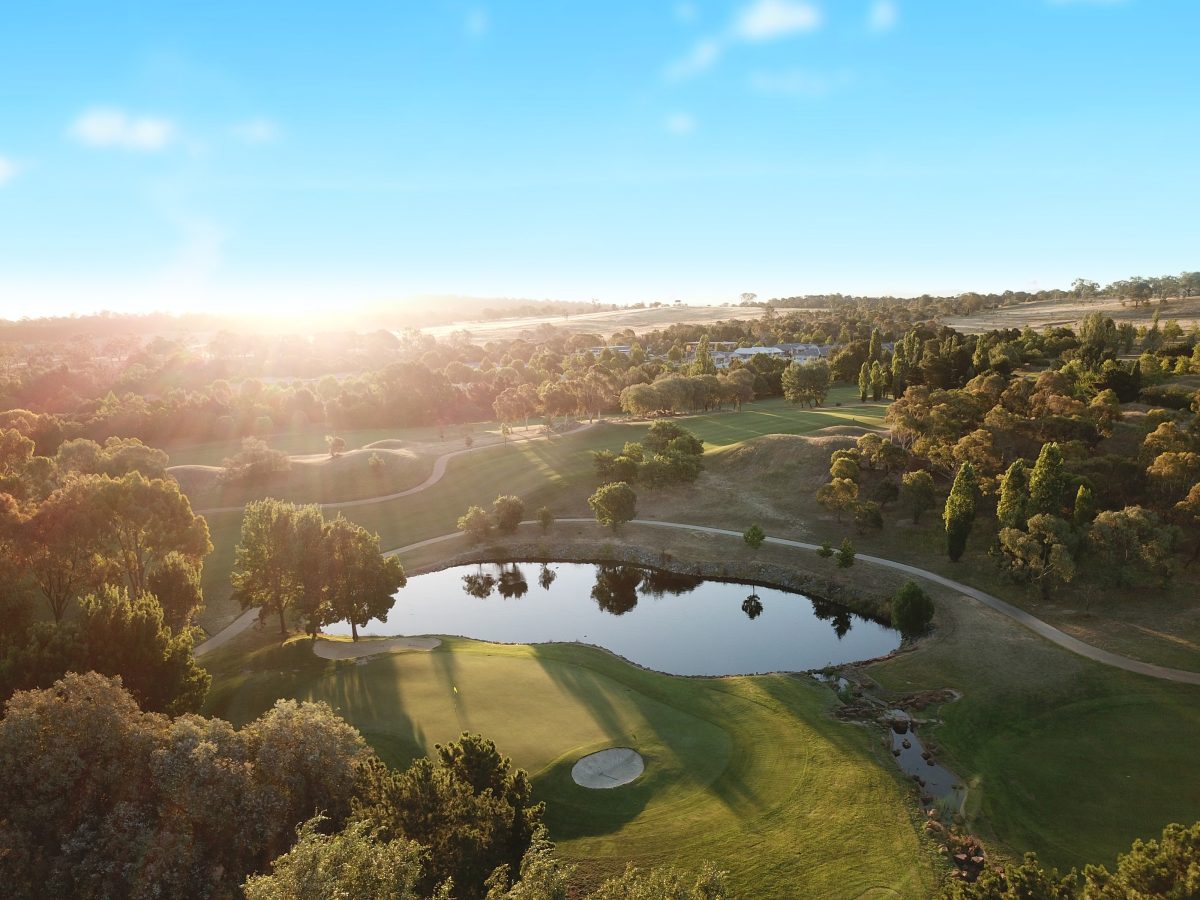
x=359 y=649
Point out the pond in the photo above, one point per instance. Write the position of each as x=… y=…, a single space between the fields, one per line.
x=672 y=623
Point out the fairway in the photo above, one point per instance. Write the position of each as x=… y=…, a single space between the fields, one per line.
x=749 y=773
x=556 y=472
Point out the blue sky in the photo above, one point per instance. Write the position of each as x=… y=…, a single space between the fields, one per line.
x=281 y=156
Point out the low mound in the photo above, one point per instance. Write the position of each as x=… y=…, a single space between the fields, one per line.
x=608 y=768
x=773 y=452
x=357 y=649
x=853 y=431
x=388 y=444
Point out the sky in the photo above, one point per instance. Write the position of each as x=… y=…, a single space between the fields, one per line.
x=287 y=156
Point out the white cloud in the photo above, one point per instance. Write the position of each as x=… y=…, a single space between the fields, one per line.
x=883 y=15
x=256 y=131
x=680 y=123
x=762 y=20
x=477 y=23
x=108 y=127
x=766 y=20
x=704 y=54
x=797 y=83
x=8 y=170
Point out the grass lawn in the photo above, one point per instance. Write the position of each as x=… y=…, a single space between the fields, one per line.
x=1063 y=756
x=749 y=773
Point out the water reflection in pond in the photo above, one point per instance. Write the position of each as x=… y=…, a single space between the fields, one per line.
x=674 y=623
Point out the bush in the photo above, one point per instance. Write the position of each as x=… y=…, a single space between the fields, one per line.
x=845 y=554
x=545 y=518
x=825 y=551
x=508 y=512
x=867 y=516
x=912 y=609
x=476 y=523
x=754 y=537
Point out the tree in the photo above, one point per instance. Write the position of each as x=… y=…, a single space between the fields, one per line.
x=1167 y=868
x=470 y=808
x=1027 y=881
x=59 y=546
x=255 y=462
x=1189 y=508
x=912 y=609
x=959 y=512
x=1012 y=505
x=754 y=537
x=475 y=522
x=664 y=884
x=128 y=803
x=1043 y=555
x=176 y=586
x=1049 y=485
x=703 y=363
x=265 y=562
x=114 y=636
x=545 y=518
x=145 y=521
x=806 y=383
x=360 y=582
x=336 y=444
x=1132 y=547
x=353 y=863
x=917 y=492
x=838 y=495
x=864 y=381
x=867 y=517
x=1085 y=506
x=845 y=554
x=507 y=512
x=614 y=504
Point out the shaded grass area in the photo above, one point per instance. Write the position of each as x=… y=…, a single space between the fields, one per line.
x=749 y=773
x=1063 y=756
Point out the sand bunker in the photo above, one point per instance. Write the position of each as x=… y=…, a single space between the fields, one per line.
x=356 y=649
x=608 y=768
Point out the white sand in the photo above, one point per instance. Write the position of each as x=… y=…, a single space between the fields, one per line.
x=608 y=768
x=355 y=649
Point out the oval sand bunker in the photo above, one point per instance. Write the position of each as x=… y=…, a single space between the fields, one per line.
x=608 y=768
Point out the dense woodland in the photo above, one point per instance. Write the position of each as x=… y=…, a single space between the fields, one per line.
x=1076 y=449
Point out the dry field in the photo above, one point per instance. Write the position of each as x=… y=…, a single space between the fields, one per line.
x=604 y=324
x=1068 y=312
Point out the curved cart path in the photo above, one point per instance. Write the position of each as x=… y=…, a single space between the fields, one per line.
x=1020 y=616
x=439 y=470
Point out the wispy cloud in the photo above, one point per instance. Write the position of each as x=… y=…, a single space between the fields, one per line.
x=8 y=170
x=680 y=123
x=686 y=12
x=798 y=83
x=111 y=127
x=766 y=20
x=883 y=15
x=256 y=131
x=477 y=23
x=703 y=55
x=759 y=21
